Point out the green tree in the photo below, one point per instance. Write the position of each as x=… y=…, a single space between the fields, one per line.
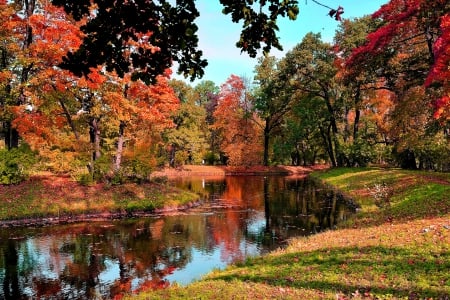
x=207 y=95
x=188 y=140
x=310 y=71
x=304 y=128
x=272 y=100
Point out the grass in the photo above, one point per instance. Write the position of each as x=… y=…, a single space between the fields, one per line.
x=51 y=196
x=400 y=250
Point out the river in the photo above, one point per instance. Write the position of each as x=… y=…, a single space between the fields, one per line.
x=240 y=216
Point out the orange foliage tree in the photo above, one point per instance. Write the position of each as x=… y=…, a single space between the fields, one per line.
x=240 y=136
x=37 y=35
x=70 y=120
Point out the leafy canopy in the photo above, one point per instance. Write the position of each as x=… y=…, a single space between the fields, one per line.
x=113 y=26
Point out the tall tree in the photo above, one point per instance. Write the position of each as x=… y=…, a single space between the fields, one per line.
x=273 y=100
x=240 y=136
x=309 y=68
x=207 y=95
x=359 y=82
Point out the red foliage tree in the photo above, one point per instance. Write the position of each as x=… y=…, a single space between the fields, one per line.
x=407 y=24
x=440 y=72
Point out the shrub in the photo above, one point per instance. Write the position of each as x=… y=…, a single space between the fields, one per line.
x=15 y=164
x=381 y=193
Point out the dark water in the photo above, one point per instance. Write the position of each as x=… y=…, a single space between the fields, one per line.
x=240 y=217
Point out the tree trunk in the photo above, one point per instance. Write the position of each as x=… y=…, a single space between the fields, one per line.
x=11 y=136
x=94 y=135
x=357 y=114
x=408 y=160
x=328 y=141
x=69 y=119
x=266 y=144
x=356 y=125
x=120 y=142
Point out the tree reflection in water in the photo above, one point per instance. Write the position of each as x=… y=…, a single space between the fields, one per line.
x=241 y=216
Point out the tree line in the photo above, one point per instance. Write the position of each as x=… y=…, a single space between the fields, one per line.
x=378 y=93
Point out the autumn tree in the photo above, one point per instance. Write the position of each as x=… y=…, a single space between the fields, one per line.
x=240 y=136
x=136 y=114
x=402 y=52
x=440 y=74
x=35 y=36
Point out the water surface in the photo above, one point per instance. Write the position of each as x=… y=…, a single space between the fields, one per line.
x=241 y=216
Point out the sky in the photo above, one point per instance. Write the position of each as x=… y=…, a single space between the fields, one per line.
x=218 y=34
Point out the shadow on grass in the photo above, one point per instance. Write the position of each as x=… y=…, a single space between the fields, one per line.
x=378 y=271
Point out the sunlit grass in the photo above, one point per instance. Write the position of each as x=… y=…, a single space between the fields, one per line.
x=41 y=199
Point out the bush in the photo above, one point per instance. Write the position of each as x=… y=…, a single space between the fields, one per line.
x=211 y=158
x=359 y=154
x=15 y=164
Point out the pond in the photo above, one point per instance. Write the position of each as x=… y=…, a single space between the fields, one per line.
x=240 y=216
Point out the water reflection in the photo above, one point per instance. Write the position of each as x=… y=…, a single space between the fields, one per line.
x=241 y=217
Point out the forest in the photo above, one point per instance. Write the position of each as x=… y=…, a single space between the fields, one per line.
x=379 y=93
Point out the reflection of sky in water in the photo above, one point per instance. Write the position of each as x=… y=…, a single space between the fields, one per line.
x=204 y=262
x=111 y=272
x=257 y=223
x=200 y=264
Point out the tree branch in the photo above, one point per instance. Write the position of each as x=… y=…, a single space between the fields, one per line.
x=321 y=4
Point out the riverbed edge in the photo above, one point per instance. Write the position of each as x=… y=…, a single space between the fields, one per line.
x=184 y=171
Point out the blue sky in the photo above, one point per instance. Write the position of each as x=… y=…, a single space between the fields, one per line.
x=218 y=34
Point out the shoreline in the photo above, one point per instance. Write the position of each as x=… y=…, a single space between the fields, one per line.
x=95 y=217
x=203 y=170
x=67 y=193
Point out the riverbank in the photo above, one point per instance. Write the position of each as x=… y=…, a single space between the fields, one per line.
x=47 y=198
x=194 y=170
x=51 y=199
x=396 y=248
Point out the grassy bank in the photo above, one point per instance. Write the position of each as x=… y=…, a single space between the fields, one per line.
x=396 y=248
x=52 y=196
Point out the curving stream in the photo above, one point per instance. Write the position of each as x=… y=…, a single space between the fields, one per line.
x=241 y=216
